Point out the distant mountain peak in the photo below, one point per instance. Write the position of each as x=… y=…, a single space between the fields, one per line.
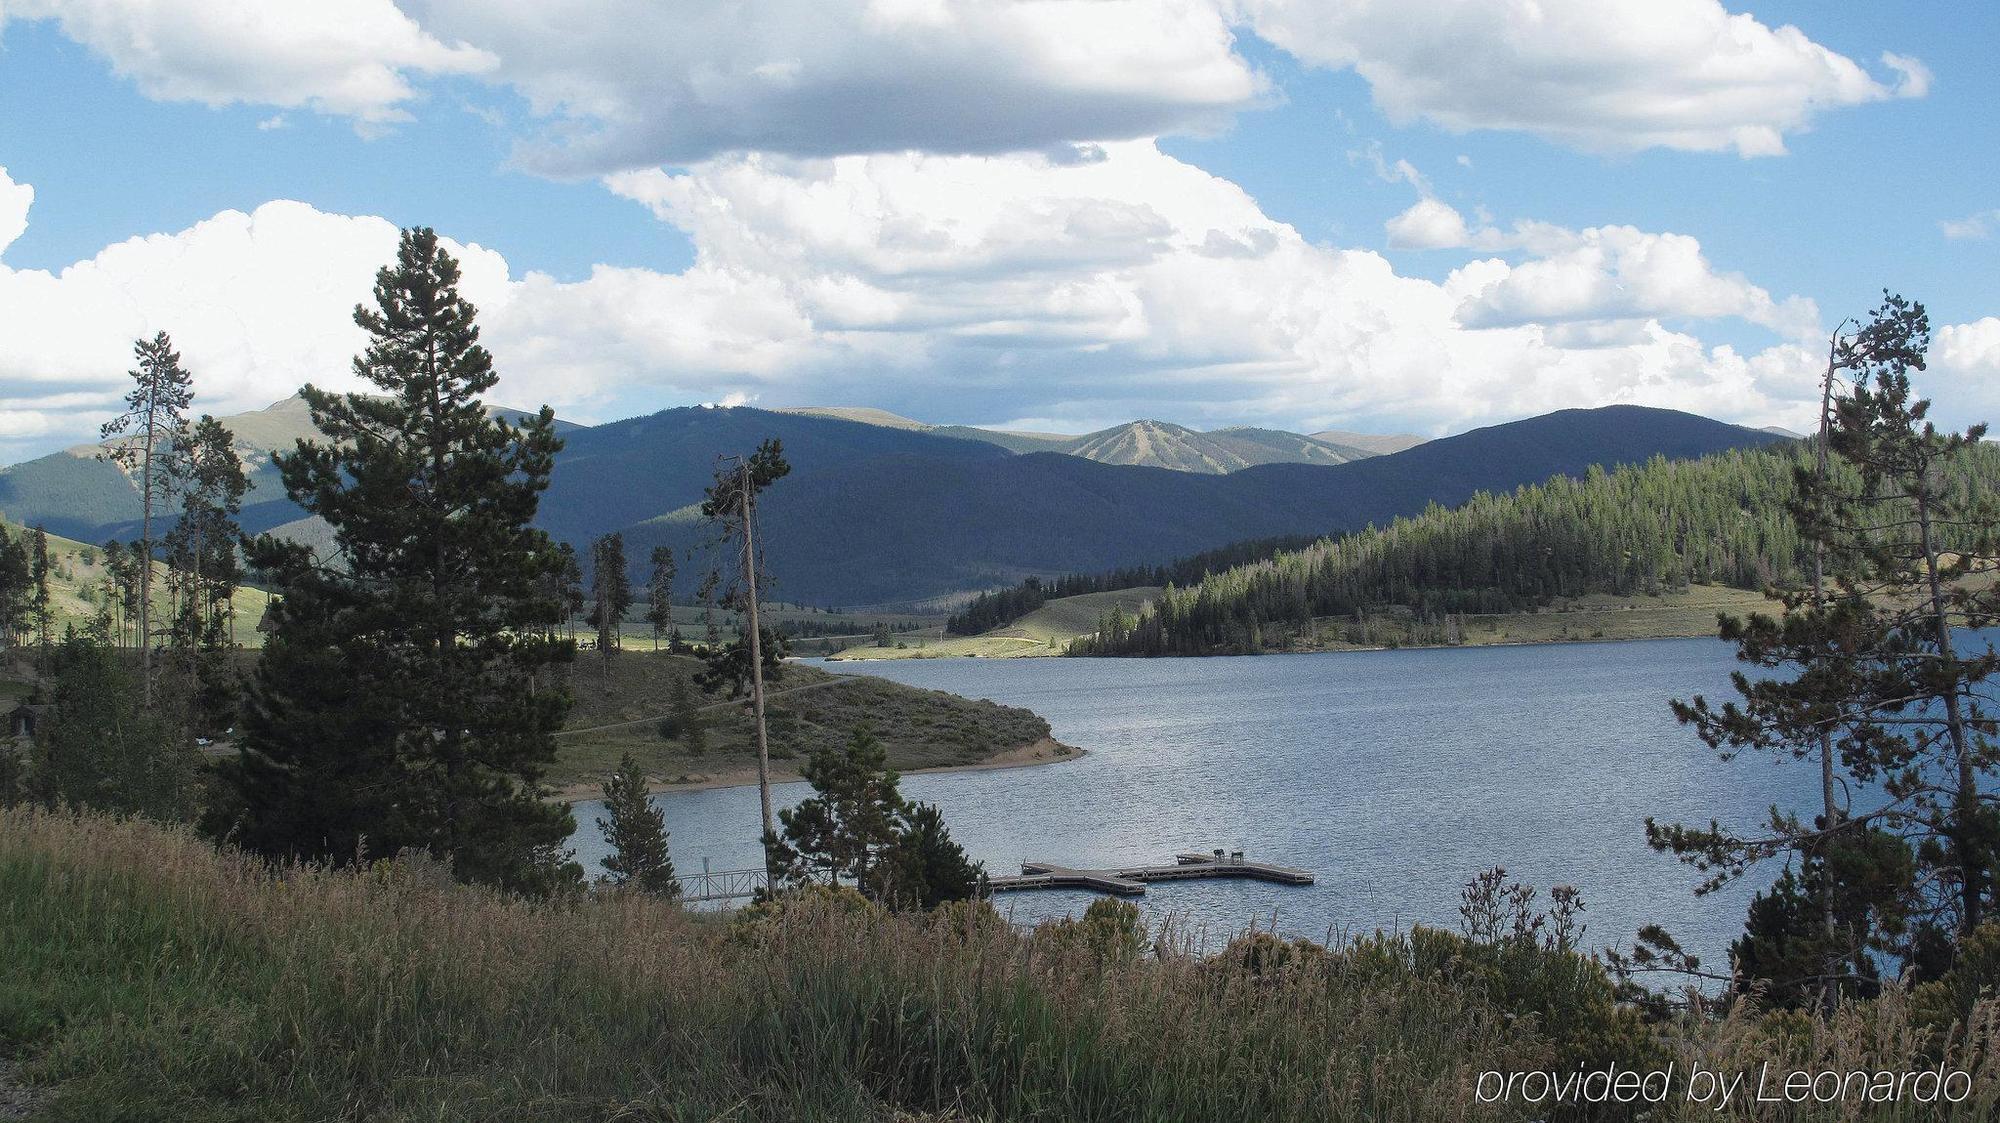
x=1148 y=442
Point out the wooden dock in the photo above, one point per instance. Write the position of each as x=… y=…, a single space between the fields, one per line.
x=1130 y=881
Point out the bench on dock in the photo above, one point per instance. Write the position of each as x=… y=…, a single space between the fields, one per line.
x=1130 y=881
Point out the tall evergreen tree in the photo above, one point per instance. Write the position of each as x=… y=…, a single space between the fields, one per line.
x=41 y=603
x=151 y=427
x=203 y=569
x=1926 y=553
x=395 y=705
x=569 y=586
x=1885 y=677
x=202 y=546
x=113 y=587
x=637 y=833
x=660 y=592
x=846 y=831
x=731 y=506
x=17 y=583
x=610 y=591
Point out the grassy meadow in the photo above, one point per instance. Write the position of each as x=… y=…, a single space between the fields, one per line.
x=145 y=975
x=1687 y=613
x=1045 y=631
x=76 y=589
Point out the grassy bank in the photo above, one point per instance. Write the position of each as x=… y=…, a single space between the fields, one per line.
x=1686 y=613
x=1045 y=631
x=143 y=975
x=1690 y=612
x=618 y=705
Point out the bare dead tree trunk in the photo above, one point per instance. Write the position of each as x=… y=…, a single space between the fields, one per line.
x=757 y=671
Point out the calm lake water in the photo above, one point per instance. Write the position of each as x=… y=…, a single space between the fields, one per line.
x=1393 y=776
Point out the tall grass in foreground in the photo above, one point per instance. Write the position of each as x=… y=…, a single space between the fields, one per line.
x=144 y=975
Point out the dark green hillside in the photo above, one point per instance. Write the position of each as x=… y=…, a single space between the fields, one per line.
x=875 y=515
x=74 y=496
x=626 y=472
x=915 y=524
x=1666 y=525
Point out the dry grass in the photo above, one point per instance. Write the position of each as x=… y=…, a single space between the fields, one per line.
x=143 y=975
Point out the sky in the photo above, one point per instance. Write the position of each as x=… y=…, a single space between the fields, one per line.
x=1425 y=215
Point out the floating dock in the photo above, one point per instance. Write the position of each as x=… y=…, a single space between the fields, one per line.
x=1130 y=881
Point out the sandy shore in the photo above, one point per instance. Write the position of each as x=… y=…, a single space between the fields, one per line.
x=1045 y=751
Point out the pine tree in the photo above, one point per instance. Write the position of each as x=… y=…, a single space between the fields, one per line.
x=395 y=705
x=152 y=424
x=846 y=831
x=1881 y=687
x=1926 y=551
x=100 y=749
x=568 y=585
x=17 y=582
x=41 y=604
x=927 y=868
x=660 y=592
x=203 y=570
x=611 y=592
x=731 y=506
x=687 y=720
x=637 y=833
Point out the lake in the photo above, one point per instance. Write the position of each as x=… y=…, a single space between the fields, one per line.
x=1393 y=776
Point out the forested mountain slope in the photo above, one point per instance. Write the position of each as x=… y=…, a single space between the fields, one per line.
x=875 y=514
x=925 y=519
x=1664 y=525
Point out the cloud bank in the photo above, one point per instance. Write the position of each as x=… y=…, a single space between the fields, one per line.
x=623 y=84
x=974 y=288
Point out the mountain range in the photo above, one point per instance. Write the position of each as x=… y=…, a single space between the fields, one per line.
x=1156 y=444
x=883 y=510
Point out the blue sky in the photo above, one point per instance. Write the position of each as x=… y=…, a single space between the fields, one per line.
x=1159 y=208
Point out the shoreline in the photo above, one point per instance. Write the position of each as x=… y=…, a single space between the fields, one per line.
x=1046 y=751
x=1342 y=650
x=1633 y=620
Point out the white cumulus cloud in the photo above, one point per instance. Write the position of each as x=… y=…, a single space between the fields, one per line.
x=630 y=83
x=15 y=199
x=625 y=84
x=1622 y=273
x=955 y=288
x=1603 y=75
x=353 y=58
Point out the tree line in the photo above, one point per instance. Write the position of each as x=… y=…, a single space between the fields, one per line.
x=1641 y=529
x=999 y=607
